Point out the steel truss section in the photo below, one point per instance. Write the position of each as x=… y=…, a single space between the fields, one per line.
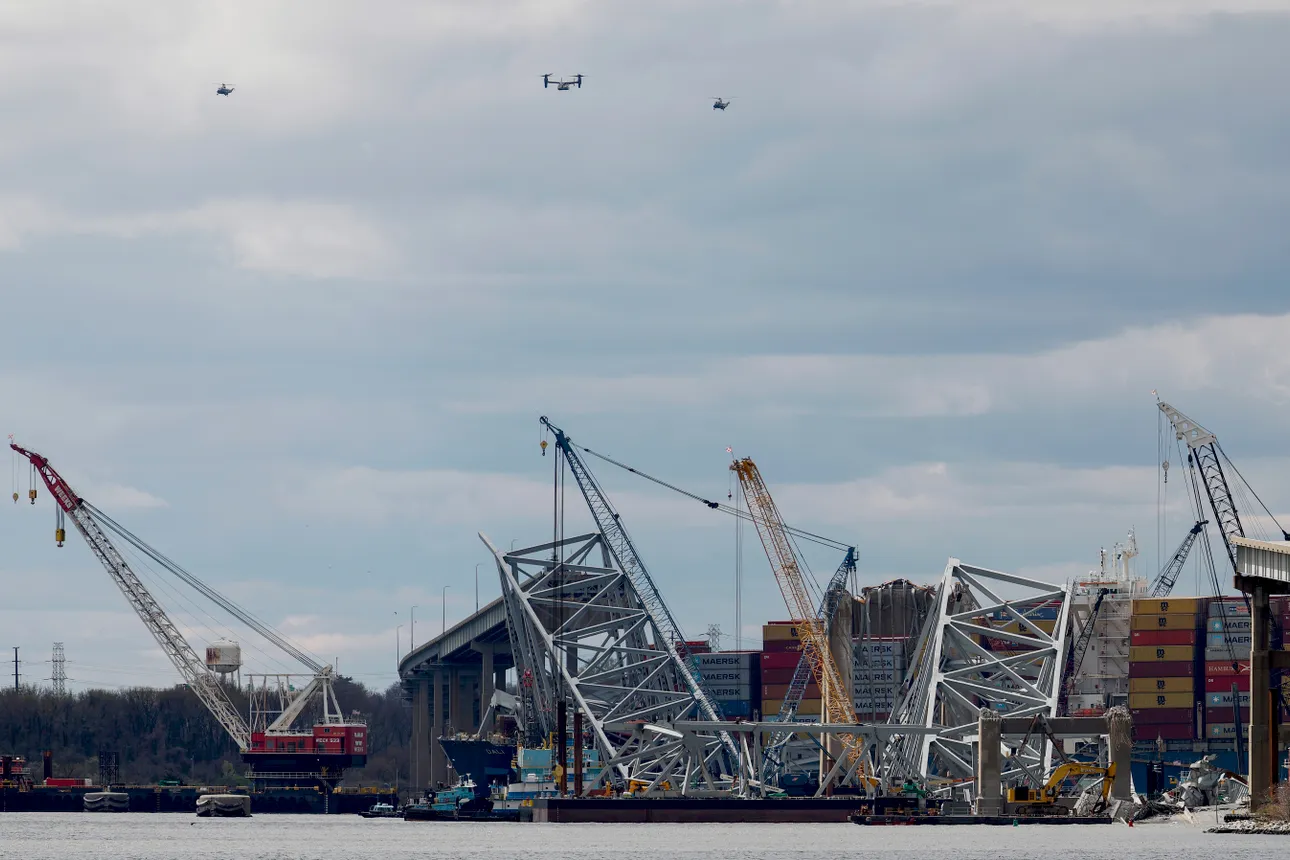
x=685 y=749
x=981 y=649
x=582 y=637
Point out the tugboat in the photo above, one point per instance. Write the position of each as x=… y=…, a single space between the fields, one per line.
x=537 y=780
x=459 y=803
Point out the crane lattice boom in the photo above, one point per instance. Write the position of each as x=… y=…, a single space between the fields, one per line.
x=1168 y=577
x=792 y=584
x=1204 y=449
x=190 y=666
x=624 y=552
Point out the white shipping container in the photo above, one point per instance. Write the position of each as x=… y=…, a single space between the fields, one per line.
x=894 y=647
x=877 y=676
x=879 y=663
x=1228 y=608
x=728 y=659
x=1230 y=625
x=1223 y=654
x=746 y=677
x=873 y=704
x=874 y=695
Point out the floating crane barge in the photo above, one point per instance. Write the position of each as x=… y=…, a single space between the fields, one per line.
x=276 y=748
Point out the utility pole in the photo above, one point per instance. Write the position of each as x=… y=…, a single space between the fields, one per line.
x=15 y=668
x=60 y=670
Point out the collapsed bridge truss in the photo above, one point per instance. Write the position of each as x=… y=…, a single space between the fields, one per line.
x=986 y=646
x=582 y=637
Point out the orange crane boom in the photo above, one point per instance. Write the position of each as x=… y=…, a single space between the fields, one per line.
x=838 y=707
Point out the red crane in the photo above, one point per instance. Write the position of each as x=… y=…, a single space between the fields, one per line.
x=277 y=750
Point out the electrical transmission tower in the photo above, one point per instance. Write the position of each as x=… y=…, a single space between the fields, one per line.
x=59 y=675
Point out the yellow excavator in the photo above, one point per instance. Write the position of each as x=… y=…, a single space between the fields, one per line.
x=1043 y=801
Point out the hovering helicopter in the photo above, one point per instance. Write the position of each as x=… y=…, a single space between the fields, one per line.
x=224 y=89
x=562 y=85
x=722 y=105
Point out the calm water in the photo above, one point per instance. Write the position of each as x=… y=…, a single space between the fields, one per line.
x=49 y=836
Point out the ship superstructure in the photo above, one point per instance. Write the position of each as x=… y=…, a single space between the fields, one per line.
x=1101 y=680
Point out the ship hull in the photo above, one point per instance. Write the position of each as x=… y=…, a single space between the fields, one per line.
x=484 y=762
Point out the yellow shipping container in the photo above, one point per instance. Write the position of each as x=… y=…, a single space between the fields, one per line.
x=778 y=632
x=1163 y=685
x=807 y=707
x=1168 y=606
x=1165 y=622
x=1161 y=653
x=1162 y=700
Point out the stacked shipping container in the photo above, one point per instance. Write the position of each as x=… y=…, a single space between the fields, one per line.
x=1228 y=632
x=1043 y=616
x=733 y=678
x=1163 y=667
x=781 y=649
x=1226 y=666
x=878 y=668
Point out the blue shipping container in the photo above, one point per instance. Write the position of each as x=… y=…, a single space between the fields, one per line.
x=736 y=710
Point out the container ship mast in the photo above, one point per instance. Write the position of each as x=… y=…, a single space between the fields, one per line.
x=275 y=750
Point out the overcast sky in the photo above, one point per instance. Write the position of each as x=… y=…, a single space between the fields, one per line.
x=925 y=270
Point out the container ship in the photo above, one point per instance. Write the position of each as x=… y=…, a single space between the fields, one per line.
x=1189 y=681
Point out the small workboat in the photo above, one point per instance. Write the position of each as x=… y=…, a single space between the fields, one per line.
x=381 y=810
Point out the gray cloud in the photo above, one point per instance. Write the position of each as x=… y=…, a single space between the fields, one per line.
x=926 y=270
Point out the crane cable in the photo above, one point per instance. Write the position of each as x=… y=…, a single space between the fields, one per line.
x=248 y=618
x=716 y=506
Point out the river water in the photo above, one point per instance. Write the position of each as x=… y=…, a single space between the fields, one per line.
x=53 y=836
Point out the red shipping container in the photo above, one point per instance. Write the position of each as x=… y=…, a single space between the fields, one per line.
x=1224 y=715
x=1156 y=716
x=1223 y=683
x=1168 y=731
x=1163 y=637
x=1223 y=667
x=780 y=659
x=777 y=676
x=1162 y=670
x=781 y=646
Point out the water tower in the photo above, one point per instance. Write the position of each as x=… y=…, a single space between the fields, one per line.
x=224 y=657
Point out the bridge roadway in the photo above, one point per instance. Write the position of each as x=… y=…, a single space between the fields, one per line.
x=450 y=680
x=1264 y=570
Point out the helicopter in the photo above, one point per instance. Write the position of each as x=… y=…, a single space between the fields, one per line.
x=562 y=85
x=224 y=89
x=722 y=105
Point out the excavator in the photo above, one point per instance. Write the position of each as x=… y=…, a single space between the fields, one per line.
x=1043 y=800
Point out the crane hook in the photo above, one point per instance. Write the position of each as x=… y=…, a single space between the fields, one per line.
x=543 y=445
